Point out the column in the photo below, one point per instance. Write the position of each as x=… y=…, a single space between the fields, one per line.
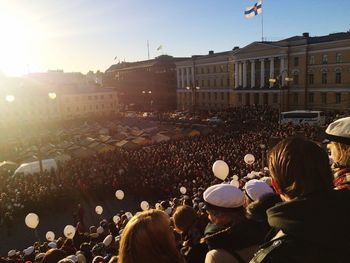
x=272 y=70
x=283 y=72
x=236 y=75
x=193 y=76
x=262 y=73
x=240 y=74
x=178 y=78
x=252 y=73
x=244 y=74
x=183 y=78
x=188 y=77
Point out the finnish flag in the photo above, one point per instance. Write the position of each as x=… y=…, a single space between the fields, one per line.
x=253 y=10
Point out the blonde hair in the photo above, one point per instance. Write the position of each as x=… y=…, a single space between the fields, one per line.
x=148 y=238
x=343 y=153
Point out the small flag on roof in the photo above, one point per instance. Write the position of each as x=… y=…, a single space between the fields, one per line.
x=253 y=10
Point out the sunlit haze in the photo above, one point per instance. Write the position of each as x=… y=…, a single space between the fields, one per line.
x=78 y=36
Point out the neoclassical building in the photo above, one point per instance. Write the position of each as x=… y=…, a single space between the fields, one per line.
x=301 y=72
x=203 y=82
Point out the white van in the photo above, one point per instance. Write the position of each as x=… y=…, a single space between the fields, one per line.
x=303 y=116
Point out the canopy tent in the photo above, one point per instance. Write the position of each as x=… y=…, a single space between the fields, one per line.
x=141 y=141
x=34 y=167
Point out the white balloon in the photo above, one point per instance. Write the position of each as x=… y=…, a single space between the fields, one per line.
x=99 y=210
x=69 y=231
x=108 y=240
x=144 y=205
x=266 y=169
x=50 y=236
x=119 y=195
x=183 y=190
x=116 y=219
x=235 y=183
x=32 y=220
x=249 y=158
x=220 y=169
x=157 y=206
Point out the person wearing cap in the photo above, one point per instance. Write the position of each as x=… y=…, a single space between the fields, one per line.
x=338 y=136
x=230 y=236
x=311 y=224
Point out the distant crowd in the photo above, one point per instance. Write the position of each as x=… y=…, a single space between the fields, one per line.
x=203 y=221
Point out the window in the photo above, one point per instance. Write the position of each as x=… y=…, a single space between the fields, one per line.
x=202 y=82
x=240 y=98
x=312 y=60
x=295 y=98
x=325 y=59
x=324 y=77
x=324 y=98
x=295 y=78
x=221 y=82
x=215 y=95
x=96 y=97
x=311 y=97
x=209 y=95
x=222 y=96
x=296 y=61
x=274 y=98
x=311 y=78
x=338 y=77
x=266 y=98
x=203 y=95
x=215 y=83
x=338 y=58
x=214 y=69
x=228 y=82
x=338 y=98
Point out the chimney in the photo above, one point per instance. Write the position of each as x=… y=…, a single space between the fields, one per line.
x=211 y=52
x=306 y=34
x=235 y=48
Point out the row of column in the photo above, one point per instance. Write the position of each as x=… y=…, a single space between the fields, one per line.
x=241 y=75
x=185 y=75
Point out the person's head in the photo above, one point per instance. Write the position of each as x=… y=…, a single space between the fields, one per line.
x=147 y=238
x=338 y=133
x=299 y=167
x=183 y=218
x=54 y=255
x=255 y=189
x=223 y=203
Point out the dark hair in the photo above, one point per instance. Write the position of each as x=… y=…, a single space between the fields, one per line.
x=184 y=217
x=54 y=255
x=299 y=167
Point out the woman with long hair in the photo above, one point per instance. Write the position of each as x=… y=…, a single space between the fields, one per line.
x=148 y=238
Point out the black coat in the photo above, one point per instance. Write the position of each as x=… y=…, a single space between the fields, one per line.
x=312 y=229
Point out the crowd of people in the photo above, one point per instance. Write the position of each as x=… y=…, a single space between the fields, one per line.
x=204 y=224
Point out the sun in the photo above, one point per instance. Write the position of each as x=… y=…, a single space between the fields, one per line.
x=15 y=45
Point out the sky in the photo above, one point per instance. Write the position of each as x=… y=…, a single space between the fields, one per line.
x=83 y=35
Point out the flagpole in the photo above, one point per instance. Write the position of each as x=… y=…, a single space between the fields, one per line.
x=262 y=24
x=148 y=49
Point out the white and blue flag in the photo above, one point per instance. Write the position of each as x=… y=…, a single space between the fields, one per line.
x=253 y=10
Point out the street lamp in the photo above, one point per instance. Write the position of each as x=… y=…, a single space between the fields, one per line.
x=150 y=93
x=278 y=81
x=10 y=98
x=193 y=90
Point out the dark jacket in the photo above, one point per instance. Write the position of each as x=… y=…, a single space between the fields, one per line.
x=234 y=238
x=314 y=229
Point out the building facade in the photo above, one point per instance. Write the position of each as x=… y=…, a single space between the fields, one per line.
x=300 y=72
x=203 y=82
x=39 y=104
x=146 y=85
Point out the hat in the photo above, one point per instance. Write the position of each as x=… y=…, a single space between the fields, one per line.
x=74 y=258
x=255 y=189
x=52 y=244
x=223 y=196
x=28 y=250
x=339 y=131
x=11 y=253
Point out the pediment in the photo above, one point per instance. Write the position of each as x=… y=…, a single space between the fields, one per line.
x=259 y=49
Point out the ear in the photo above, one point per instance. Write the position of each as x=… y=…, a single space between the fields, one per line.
x=276 y=187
